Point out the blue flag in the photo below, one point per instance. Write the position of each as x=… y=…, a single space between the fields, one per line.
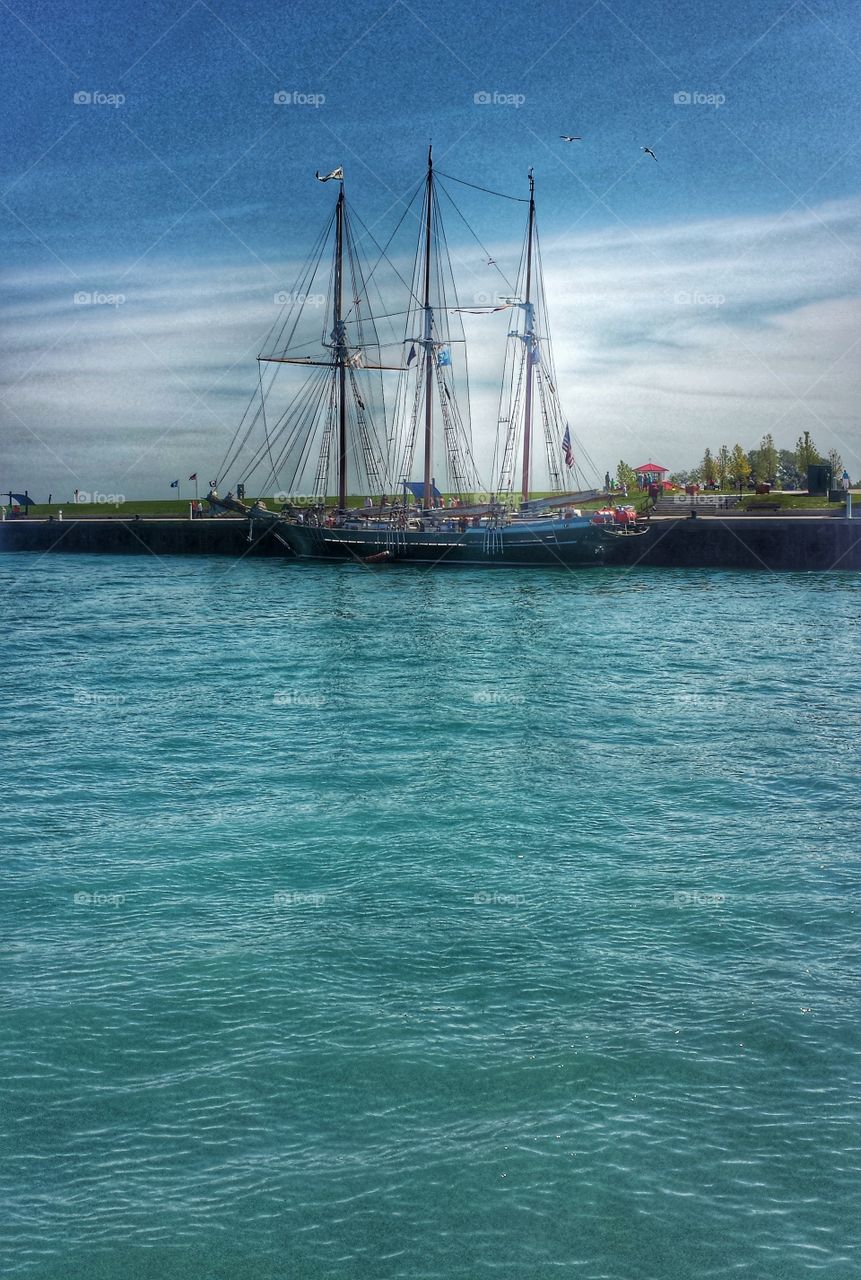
x=174 y=484
x=411 y=357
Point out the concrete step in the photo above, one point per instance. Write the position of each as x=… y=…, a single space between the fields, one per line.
x=703 y=503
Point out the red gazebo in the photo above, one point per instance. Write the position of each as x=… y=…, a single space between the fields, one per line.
x=650 y=473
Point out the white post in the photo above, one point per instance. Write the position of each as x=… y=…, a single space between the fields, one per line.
x=191 y=511
x=848 y=504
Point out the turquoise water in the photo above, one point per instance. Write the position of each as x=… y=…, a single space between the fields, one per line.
x=428 y=924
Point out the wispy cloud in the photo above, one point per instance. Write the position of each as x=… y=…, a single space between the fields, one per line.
x=666 y=339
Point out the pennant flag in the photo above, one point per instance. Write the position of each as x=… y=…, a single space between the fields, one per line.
x=194 y=477
x=174 y=484
x=411 y=357
x=566 y=448
x=336 y=173
x=443 y=357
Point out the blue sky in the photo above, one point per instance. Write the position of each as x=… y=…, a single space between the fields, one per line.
x=183 y=188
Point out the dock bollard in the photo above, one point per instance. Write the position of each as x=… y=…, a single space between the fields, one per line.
x=191 y=511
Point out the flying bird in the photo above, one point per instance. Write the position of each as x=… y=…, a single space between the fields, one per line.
x=569 y=137
x=650 y=152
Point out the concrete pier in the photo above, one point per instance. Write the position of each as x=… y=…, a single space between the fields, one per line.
x=162 y=537
x=800 y=543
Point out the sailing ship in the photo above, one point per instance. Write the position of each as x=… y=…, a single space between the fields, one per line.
x=375 y=404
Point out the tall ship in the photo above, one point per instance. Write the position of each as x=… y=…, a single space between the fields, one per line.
x=376 y=406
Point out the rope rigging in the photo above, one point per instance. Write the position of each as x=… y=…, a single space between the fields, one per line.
x=299 y=444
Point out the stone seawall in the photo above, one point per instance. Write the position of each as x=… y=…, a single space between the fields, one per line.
x=806 y=543
x=223 y=536
x=802 y=543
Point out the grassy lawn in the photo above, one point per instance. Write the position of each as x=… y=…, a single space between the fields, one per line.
x=153 y=507
x=178 y=508
x=788 y=502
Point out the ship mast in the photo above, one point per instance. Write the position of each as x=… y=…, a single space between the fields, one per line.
x=428 y=339
x=529 y=339
x=339 y=335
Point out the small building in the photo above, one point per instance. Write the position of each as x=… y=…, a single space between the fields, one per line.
x=651 y=474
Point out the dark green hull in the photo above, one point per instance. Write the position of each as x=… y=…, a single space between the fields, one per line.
x=570 y=543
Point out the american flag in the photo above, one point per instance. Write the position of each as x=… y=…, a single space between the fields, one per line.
x=566 y=448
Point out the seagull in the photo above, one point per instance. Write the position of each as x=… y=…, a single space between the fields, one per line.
x=650 y=152
x=569 y=137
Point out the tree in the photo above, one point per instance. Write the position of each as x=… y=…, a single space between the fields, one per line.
x=680 y=479
x=806 y=454
x=708 y=468
x=768 y=461
x=738 y=465
x=722 y=464
x=836 y=464
x=788 y=474
x=626 y=476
